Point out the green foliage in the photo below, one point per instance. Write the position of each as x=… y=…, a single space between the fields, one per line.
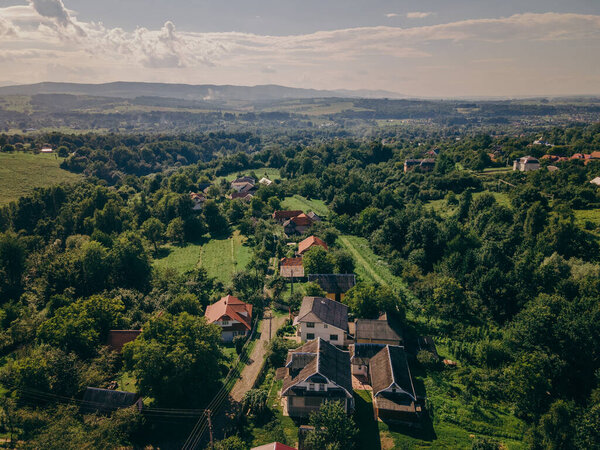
x=176 y=231
x=153 y=230
x=254 y=402
x=230 y=443
x=368 y=301
x=316 y=260
x=84 y=325
x=313 y=289
x=176 y=359
x=277 y=351
x=333 y=429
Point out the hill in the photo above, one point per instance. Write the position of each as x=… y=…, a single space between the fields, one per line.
x=205 y=92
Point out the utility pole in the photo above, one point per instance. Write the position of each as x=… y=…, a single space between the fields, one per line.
x=270 y=316
x=210 y=430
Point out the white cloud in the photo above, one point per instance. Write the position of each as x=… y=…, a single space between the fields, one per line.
x=390 y=15
x=418 y=15
x=45 y=30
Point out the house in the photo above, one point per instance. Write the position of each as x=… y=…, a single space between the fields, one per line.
x=322 y=318
x=265 y=181
x=244 y=187
x=595 y=155
x=244 y=179
x=596 y=181
x=394 y=397
x=542 y=142
x=410 y=164
x=427 y=165
x=283 y=216
x=310 y=242
x=360 y=357
x=526 y=164
x=334 y=284
x=297 y=225
x=232 y=315
x=273 y=446
x=198 y=200
x=578 y=156
x=245 y=196
x=378 y=331
x=46 y=150
x=118 y=338
x=314 y=216
x=316 y=372
x=291 y=267
x=105 y=401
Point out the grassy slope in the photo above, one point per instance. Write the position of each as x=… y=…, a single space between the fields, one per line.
x=220 y=257
x=269 y=172
x=444 y=210
x=20 y=173
x=300 y=203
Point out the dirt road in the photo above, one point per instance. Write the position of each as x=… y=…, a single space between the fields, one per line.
x=252 y=369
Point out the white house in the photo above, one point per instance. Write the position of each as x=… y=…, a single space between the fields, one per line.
x=526 y=164
x=323 y=318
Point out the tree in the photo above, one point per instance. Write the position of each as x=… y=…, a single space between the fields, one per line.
x=216 y=222
x=176 y=231
x=176 y=360
x=153 y=230
x=83 y=325
x=131 y=267
x=333 y=429
x=185 y=303
x=313 y=289
x=316 y=260
x=254 y=402
x=368 y=301
x=343 y=261
x=12 y=264
x=230 y=443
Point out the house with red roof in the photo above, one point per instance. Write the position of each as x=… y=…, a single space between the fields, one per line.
x=297 y=225
x=291 y=267
x=284 y=215
x=232 y=315
x=274 y=446
x=310 y=242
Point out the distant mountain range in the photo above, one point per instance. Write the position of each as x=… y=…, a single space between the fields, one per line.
x=205 y=92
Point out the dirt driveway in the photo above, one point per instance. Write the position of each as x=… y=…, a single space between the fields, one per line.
x=252 y=369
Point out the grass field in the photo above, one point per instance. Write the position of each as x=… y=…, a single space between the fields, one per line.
x=269 y=172
x=220 y=257
x=21 y=173
x=300 y=203
x=369 y=266
x=440 y=206
x=584 y=217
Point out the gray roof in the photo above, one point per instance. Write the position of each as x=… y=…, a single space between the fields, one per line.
x=319 y=357
x=334 y=282
x=391 y=366
x=362 y=353
x=106 y=400
x=375 y=329
x=327 y=310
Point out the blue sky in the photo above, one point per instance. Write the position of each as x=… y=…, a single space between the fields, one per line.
x=438 y=48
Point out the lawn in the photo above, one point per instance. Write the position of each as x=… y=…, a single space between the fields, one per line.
x=297 y=202
x=269 y=172
x=220 y=257
x=20 y=173
x=369 y=266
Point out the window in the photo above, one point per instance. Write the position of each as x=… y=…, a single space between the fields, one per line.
x=310 y=324
x=310 y=336
x=311 y=386
x=333 y=337
x=225 y=322
x=321 y=387
x=325 y=325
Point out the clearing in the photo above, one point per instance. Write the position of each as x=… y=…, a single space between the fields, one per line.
x=297 y=202
x=220 y=257
x=270 y=172
x=21 y=173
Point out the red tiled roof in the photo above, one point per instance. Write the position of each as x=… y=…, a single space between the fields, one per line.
x=231 y=307
x=274 y=446
x=291 y=267
x=309 y=242
x=302 y=220
x=290 y=261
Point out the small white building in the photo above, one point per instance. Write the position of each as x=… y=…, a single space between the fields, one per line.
x=526 y=164
x=596 y=181
x=265 y=181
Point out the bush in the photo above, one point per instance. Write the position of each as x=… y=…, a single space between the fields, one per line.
x=427 y=359
x=239 y=342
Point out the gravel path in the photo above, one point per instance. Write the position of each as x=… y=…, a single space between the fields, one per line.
x=252 y=369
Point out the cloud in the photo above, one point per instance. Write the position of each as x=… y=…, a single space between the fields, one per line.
x=418 y=15
x=390 y=15
x=56 y=11
x=97 y=52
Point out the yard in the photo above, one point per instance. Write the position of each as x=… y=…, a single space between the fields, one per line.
x=297 y=202
x=269 y=172
x=220 y=257
x=444 y=210
x=21 y=172
x=588 y=219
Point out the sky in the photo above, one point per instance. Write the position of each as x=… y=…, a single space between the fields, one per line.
x=425 y=48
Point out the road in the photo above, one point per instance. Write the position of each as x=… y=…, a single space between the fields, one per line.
x=252 y=369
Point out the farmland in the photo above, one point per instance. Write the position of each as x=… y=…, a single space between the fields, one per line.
x=21 y=173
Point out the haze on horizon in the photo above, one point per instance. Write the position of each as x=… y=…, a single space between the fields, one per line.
x=431 y=48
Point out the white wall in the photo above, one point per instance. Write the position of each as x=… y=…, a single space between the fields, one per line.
x=323 y=331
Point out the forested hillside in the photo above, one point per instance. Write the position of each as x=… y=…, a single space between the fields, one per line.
x=502 y=268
